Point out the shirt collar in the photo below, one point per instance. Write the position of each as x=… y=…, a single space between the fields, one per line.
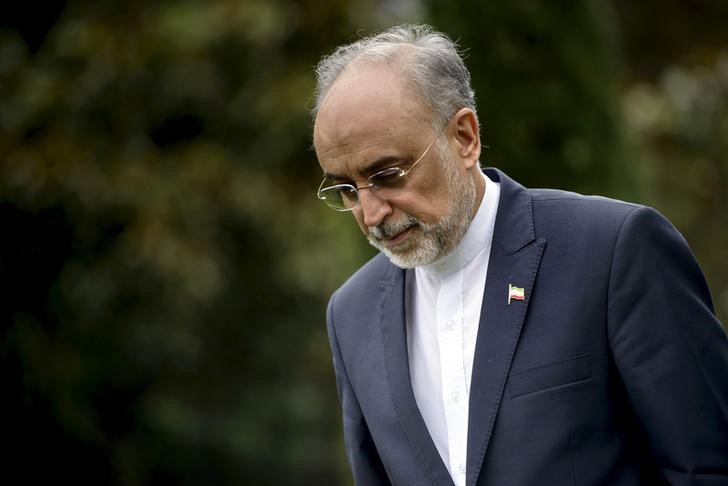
x=477 y=238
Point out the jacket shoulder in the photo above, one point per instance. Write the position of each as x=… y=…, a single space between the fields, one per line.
x=572 y=208
x=567 y=199
x=363 y=285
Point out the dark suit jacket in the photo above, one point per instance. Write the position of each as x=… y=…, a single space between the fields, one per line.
x=612 y=371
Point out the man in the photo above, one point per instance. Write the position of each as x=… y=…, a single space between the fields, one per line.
x=504 y=336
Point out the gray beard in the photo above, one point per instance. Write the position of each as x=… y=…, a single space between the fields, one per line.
x=430 y=242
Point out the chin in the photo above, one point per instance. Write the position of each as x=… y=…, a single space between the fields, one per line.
x=414 y=253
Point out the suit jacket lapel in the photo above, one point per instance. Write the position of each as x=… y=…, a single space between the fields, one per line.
x=514 y=259
x=396 y=363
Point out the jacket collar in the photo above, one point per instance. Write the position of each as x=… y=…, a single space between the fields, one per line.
x=514 y=260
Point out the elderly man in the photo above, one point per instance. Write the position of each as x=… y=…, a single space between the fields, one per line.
x=504 y=336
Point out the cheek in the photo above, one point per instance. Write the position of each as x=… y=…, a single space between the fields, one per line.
x=425 y=208
x=359 y=218
x=428 y=199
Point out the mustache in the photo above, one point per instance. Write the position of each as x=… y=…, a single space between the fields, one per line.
x=389 y=229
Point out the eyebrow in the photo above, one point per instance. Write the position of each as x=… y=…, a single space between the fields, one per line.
x=374 y=166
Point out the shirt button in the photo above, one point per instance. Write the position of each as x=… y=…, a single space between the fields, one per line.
x=455 y=397
x=449 y=325
x=461 y=467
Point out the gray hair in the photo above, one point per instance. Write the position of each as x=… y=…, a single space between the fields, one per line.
x=429 y=60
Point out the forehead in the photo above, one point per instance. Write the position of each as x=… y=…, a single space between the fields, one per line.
x=369 y=110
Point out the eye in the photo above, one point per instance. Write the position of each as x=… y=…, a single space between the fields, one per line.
x=339 y=191
x=388 y=177
x=346 y=192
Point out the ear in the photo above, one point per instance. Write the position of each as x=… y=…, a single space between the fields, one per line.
x=467 y=136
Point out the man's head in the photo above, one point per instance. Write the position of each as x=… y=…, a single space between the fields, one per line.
x=383 y=102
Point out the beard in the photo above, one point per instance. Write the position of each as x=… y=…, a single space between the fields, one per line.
x=429 y=242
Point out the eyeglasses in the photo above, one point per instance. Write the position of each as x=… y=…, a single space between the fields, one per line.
x=387 y=183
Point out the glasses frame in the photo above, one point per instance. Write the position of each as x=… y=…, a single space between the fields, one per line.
x=372 y=186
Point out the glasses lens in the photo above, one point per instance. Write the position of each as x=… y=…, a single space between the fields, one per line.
x=389 y=182
x=341 y=197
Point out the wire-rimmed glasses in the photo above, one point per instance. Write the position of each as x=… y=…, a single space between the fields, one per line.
x=386 y=183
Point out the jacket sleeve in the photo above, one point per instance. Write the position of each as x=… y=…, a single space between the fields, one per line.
x=361 y=451
x=670 y=349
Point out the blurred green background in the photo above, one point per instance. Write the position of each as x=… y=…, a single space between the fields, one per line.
x=165 y=264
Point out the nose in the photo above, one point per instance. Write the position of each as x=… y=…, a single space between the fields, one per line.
x=373 y=209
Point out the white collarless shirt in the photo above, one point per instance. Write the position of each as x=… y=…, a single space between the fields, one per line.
x=443 y=303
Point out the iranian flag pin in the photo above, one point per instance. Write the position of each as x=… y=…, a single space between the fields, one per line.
x=515 y=293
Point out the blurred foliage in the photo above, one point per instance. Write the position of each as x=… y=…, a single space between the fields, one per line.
x=680 y=128
x=165 y=265
x=657 y=34
x=546 y=80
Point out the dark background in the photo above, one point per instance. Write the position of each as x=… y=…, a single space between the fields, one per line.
x=165 y=264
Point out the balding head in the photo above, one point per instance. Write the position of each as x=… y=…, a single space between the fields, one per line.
x=428 y=62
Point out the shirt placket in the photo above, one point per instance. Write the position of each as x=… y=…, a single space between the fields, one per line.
x=454 y=388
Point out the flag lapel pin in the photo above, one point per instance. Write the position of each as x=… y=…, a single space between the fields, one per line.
x=515 y=293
